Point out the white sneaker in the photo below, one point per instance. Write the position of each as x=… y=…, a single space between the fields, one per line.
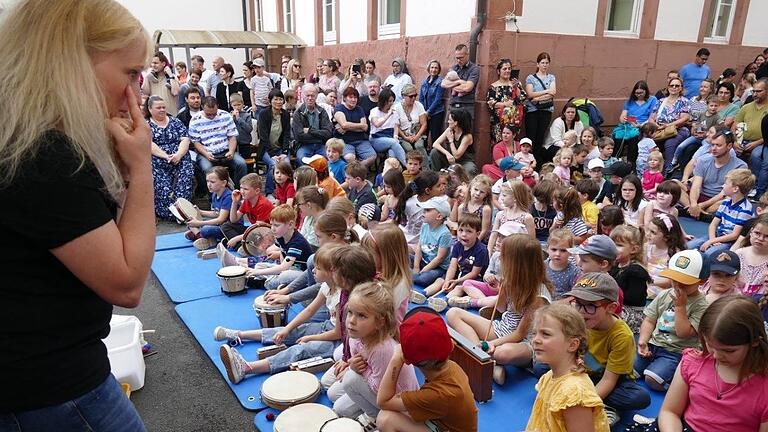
x=612 y=414
x=234 y=363
x=204 y=243
x=417 y=297
x=224 y=334
x=499 y=375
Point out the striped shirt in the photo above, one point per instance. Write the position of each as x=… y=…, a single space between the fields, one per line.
x=213 y=134
x=732 y=215
x=577 y=227
x=511 y=318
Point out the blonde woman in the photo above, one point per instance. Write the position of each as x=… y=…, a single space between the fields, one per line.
x=82 y=219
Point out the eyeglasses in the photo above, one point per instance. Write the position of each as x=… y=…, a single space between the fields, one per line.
x=410 y=96
x=758 y=235
x=587 y=308
x=674 y=86
x=297 y=66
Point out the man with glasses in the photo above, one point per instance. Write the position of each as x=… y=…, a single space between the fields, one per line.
x=709 y=175
x=311 y=125
x=751 y=147
x=469 y=74
x=694 y=73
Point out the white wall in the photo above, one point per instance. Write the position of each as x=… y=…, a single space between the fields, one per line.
x=425 y=18
x=755 y=30
x=558 y=16
x=269 y=20
x=305 y=21
x=679 y=20
x=353 y=21
x=195 y=15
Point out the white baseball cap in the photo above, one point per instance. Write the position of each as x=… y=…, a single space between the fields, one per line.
x=686 y=267
x=595 y=163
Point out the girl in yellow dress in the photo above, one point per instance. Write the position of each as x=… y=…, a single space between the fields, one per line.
x=567 y=400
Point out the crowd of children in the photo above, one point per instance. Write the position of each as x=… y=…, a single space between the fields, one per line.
x=587 y=277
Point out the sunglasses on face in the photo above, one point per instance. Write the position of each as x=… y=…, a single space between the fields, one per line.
x=675 y=86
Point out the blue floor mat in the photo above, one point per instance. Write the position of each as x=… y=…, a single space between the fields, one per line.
x=202 y=316
x=184 y=276
x=171 y=241
x=694 y=227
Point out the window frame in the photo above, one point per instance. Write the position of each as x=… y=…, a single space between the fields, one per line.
x=288 y=16
x=708 y=37
x=637 y=13
x=329 y=36
x=259 y=14
x=387 y=31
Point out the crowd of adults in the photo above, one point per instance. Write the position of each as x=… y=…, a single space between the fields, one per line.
x=293 y=113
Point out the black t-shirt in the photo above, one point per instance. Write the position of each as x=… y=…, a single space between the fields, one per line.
x=51 y=324
x=633 y=280
x=542 y=221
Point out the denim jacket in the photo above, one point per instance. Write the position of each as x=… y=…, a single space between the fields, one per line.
x=431 y=96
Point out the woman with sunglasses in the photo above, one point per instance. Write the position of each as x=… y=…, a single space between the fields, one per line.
x=674 y=110
x=293 y=79
x=328 y=80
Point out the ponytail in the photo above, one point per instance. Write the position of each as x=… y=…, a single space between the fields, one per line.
x=418 y=186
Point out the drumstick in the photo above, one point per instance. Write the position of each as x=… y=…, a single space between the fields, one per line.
x=484 y=345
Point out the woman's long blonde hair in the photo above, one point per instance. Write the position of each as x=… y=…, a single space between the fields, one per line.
x=59 y=37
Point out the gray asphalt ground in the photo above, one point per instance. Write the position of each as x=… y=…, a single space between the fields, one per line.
x=183 y=391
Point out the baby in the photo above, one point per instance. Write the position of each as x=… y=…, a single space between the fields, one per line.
x=569 y=138
x=452 y=76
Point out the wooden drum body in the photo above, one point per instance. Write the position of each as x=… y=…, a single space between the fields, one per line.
x=476 y=363
x=270 y=316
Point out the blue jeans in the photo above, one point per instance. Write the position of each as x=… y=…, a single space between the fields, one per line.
x=269 y=184
x=391 y=146
x=308 y=150
x=362 y=150
x=237 y=166
x=211 y=232
x=679 y=150
x=426 y=278
x=282 y=360
x=669 y=146
x=660 y=366
x=760 y=169
x=104 y=408
x=713 y=250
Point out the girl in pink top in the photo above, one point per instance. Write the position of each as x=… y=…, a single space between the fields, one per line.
x=722 y=387
x=372 y=327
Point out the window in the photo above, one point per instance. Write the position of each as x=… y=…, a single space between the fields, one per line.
x=287 y=16
x=259 y=14
x=720 y=19
x=389 y=19
x=329 y=21
x=623 y=16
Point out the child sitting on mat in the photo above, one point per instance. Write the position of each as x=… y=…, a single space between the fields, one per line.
x=261 y=245
x=523 y=289
x=247 y=201
x=219 y=184
x=390 y=251
x=445 y=400
x=469 y=258
x=566 y=399
x=372 y=327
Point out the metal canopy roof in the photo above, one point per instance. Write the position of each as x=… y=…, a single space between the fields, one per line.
x=224 y=39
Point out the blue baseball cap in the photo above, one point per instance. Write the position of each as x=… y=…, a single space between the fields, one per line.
x=510 y=163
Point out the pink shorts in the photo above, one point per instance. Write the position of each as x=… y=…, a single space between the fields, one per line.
x=482 y=286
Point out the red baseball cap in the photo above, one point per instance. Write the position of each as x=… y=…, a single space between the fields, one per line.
x=424 y=336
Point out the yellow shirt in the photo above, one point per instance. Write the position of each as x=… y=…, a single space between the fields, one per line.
x=590 y=211
x=612 y=350
x=752 y=116
x=555 y=395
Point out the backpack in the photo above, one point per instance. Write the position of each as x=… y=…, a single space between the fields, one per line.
x=589 y=114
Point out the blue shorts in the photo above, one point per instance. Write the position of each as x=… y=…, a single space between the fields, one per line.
x=361 y=149
x=660 y=366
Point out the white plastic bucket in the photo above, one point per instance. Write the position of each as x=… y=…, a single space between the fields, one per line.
x=124 y=350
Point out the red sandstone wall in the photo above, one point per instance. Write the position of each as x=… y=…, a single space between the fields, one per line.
x=602 y=68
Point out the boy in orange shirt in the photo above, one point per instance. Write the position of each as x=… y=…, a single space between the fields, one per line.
x=324 y=180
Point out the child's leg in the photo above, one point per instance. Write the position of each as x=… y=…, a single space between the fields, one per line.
x=457 y=291
x=434 y=287
x=519 y=354
x=659 y=373
x=628 y=395
x=469 y=325
x=307 y=328
x=228 y=259
x=282 y=360
x=360 y=393
x=211 y=231
x=424 y=279
x=478 y=290
x=283 y=278
x=393 y=421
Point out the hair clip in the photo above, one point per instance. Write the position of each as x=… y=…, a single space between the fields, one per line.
x=320 y=190
x=667 y=222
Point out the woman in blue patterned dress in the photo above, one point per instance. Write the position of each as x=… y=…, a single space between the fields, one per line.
x=171 y=164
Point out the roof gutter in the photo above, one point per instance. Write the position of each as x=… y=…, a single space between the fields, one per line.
x=481 y=13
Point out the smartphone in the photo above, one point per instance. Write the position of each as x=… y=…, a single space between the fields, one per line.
x=356 y=68
x=515 y=74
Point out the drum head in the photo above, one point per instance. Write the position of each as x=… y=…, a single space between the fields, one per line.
x=290 y=386
x=187 y=209
x=253 y=237
x=260 y=304
x=175 y=212
x=231 y=271
x=303 y=418
x=342 y=424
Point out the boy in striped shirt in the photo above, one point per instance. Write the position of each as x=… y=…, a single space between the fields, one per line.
x=730 y=217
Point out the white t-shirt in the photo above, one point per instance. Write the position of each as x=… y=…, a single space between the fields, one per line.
x=397 y=83
x=205 y=81
x=389 y=124
x=410 y=125
x=331 y=301
x=415 y=215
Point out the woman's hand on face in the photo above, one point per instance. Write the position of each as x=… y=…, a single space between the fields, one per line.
x=132 y=137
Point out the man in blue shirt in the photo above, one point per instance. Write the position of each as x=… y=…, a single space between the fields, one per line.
x=694 y=73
